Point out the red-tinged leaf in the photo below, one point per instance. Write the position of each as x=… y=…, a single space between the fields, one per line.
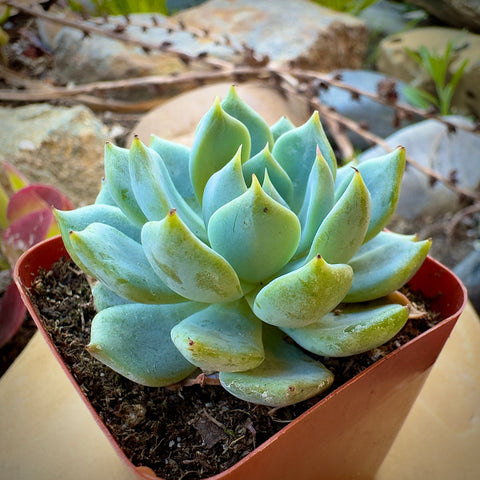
x=12 y=313
x=26 y=232
x=3 y=208
x=36 y=197
x=17 y=180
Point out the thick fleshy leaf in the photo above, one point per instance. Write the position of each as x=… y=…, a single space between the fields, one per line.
x=154 y=189
x=384 y=264
x=343 y=230
x=223 y=186
x=134 y=340
x=223 y=337
x=27 y=231
x=271 y=191
x=383 y=178
x=265 y=161
x=286 y=376
x=117 y=178
x=15 y=177
x=120 y=263
x=3 y=208
x=351 y=329
x=319 y=200
x=280 y=127
x=258 y=129
x=176 y=158
x=36 y=197
x=187 y=265
x=255 y=234
x=217 y=139
x=80 y=218
x=12 y=313
x=304 y=295
x=296 y=151
x=104 y=298
x=104 y=196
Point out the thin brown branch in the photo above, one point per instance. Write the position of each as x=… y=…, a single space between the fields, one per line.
x=457 y=218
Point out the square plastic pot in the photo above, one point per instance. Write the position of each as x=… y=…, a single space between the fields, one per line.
x=345 y=435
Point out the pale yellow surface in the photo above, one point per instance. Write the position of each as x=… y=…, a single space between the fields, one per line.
x=47 y=433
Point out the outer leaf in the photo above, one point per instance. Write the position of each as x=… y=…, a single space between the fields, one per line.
x=286 y=376
x=304 y=295
x=223 y=186
x=104 y=196
x=260 y=134
x=117 y=177
x=104 y=298
x=343 y=230
x=255 y=234
x=265 y=161
x=383 y=178
x=351 y=329
x=188 y=266
x=216 y=141
x=282 y=126
x=223 y=337
x=80 y=218
x=3 y=208
x=120 y=263
x=384 y=264
x=271 y=191
x=176 y=158
x=12 y=313
x=296 y=151
x=154 y=190
x=319 y=200
x=134 y=340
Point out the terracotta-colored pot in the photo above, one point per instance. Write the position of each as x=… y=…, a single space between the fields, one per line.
x=348 y=433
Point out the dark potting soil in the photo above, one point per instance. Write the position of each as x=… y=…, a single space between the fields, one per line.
x=191 y=433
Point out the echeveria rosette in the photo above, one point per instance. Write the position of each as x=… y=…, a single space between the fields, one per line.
x=209 y=257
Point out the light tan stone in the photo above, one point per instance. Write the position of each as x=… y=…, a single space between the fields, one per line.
x=393 y=60
x=177 y=118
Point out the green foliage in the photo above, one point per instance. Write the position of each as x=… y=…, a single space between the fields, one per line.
x=124 y=7
x=208 y=257
x=437 y=66
x=354 y=7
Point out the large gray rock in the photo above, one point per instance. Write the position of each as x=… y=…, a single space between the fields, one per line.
x=380 y=119
x=393 y=60
x=459 y=13
x=56 y=145
x=431 y=145
x=300 y=31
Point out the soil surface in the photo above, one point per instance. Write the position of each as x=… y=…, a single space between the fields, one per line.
x=187 y=433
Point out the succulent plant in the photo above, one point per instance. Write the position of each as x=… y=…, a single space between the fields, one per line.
x=243 y=255
x=26 y=218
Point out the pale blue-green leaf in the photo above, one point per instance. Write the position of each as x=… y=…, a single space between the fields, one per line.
x=255 y=234
x=286 y=376
x=383 y=178
x=223 y=337
x=216 y=140
x=223 y=186
x=351 y=329
x=79 y=218
x=187 y=265
x=283 y=125
x=318 y=202
x=117 y=178
x=154 y=189
x=343 y=230
x=104 y=298
x=120 y=263
x=176 y=158
x=260 y=134
x=384 y=264
x=296 y=151
x=265 y=161
x=134 y=340
x=104 y=196
x=344 y=177
x=271 y=191
x=304 y=295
